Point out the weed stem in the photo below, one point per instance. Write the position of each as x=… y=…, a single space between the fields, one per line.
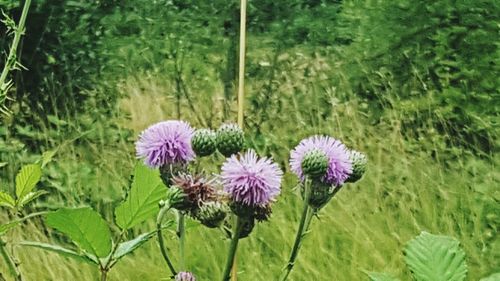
x=232 y=249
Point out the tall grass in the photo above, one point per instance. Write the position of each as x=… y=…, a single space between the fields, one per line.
x=409 y=186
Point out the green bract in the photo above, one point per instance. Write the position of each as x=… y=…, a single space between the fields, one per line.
x=315 y=163
x=230 y=139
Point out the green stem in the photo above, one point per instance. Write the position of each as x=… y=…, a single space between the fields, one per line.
x=11 y=264
x=232 y=249
x=104 y=274
x=305 y=221
x=19 y=31
x=159 y=236
x=181 y=233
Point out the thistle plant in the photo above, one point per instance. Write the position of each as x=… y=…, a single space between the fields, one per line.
x=252 y=184
x=323 y=164
x=230 y=139
x=167 y=145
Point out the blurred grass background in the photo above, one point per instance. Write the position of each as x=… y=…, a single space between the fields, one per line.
x=414 y=85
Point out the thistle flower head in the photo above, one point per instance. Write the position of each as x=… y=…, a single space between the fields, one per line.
x=204 y=142
x=339 y=165
x=196 y=189
x=185 y=276
x=167 y=142
x=251 y=180
x=230 y=139
x=359 y=162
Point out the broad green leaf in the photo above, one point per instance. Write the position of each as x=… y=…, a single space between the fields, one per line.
x=492 y=277
x=30 y=197
x=3 y=164
x=85 y=227
x=27 y=178
x=128 y=247
x=142 y=201
x=379 y=276
x=60 y=250
x=435 y=258
x=8 y=226
x=6 y=200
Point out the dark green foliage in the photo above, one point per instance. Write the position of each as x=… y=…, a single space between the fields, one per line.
x=434 y=62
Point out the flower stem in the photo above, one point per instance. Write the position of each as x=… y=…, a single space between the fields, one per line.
x=104 y=274
x=305 y=221
x=181 y=233
x=11 y=264
x=232 y=249
x=159 y=236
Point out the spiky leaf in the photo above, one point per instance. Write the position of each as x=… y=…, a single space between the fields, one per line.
x=142 y=201
x=27 y=178
x=6 y=200
x=85 y=227
x=60 y=250
x=435 y=258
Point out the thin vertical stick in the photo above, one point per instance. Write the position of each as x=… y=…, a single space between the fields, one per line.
x=241 y=79
x=241 y=86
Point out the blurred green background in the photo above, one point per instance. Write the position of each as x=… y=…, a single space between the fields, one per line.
x=413 y=84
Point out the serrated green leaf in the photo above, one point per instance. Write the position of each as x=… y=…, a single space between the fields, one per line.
x=379 y=276
x=435 y=258
x=142 y=201
x=8 y=226
x=492 y=277
x=85 y=227
x=6 y=200
x=128 y=247
x=27 y=178
x=30 y=197
x=60 y=250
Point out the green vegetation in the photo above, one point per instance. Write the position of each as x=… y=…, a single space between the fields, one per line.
x=413 y=84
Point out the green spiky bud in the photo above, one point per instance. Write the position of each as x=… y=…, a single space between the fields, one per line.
x=204 y=142
x=175 y=197
x=359 y=162
x=315 y=163
x=211 y=214
x=230 y=139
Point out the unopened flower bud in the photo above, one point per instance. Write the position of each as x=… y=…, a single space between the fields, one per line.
x=359 y=162
x=204 y=142
x=230 y=139
x=211 y=214
x=315 y=163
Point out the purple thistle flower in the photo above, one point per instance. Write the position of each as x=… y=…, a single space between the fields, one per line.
x=339 y=165
x=185 y=276
x=250 y=180
x=167 y=142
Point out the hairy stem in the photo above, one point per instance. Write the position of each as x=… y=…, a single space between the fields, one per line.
x=11 y=264
x=159 y=236
x=305 y=221
x=232 y=249
x=181 y=233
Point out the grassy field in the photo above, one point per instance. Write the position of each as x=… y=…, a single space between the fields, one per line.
x=410 y=84
x=406 y=190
